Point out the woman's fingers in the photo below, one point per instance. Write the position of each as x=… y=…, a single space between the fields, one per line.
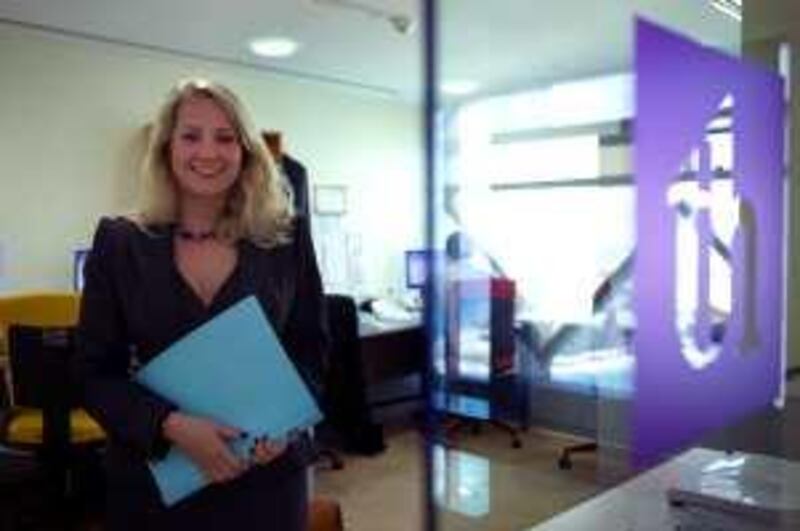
x=222 y=465
x=229 y=433
x=230 y=464
x=207 y=443
x=265 y=450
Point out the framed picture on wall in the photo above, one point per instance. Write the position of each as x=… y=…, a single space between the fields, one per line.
x=330 y=199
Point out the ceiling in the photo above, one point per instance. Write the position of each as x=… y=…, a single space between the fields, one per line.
x=501 y=44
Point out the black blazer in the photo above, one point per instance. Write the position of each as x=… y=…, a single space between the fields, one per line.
x=298 y=178
x=135 y=303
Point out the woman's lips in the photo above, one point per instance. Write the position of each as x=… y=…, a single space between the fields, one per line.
x=207 y=171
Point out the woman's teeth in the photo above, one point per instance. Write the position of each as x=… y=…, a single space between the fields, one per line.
x=207 y=171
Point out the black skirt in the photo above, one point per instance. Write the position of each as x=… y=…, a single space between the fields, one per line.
x=274 y=496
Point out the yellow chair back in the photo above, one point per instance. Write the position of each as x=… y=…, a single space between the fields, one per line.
x=38 y=309
x=41 y=309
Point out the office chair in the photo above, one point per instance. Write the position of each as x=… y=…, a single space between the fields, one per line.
x=348 y=424
x=487 y=307
x=23 y=425
x=21 y=481
x=41 y=417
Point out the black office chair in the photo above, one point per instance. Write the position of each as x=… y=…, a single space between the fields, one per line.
x=348 y=423
x=466 y=401
x=40 y=359
x=22 y=483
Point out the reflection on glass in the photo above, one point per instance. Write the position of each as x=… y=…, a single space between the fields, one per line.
x=541 y=181
x=479 y=345
x=607 y=370
x=469 y=333
x=537 y=167
x=517 y=164
x=461 y=481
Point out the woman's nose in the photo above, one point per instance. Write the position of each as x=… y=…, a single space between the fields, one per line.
x=207 y=147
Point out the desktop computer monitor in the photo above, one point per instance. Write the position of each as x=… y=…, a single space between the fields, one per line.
x=418 y=268
x=78 y=261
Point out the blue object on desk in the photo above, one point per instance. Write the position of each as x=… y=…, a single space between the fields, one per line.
x=233 y=370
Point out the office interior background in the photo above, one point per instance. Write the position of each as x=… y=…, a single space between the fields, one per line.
x=534 y=182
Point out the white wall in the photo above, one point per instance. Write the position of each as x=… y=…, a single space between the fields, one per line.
x=71 y=125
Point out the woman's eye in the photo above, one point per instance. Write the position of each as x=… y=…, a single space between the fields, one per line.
x=190 y=137
x=226 y=139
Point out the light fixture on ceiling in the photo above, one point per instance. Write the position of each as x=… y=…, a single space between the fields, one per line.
x=732 y=8
x=400 y=22
x=274 y=47
x=459 y=87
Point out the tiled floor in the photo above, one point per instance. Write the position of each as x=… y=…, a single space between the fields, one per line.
x=483 y=485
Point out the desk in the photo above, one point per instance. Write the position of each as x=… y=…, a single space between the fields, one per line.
x=394 y=352
x=391 y=351
x=638 y=504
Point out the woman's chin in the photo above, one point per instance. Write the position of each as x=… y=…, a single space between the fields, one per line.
x=204 y=192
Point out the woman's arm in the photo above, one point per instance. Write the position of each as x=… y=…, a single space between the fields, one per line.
x=129 y=413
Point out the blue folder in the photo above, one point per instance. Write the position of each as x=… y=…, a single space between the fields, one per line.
x=232 y=370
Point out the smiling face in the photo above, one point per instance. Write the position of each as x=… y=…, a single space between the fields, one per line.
x=205 y=151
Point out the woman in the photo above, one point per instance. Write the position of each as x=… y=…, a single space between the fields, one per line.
x=215 y=226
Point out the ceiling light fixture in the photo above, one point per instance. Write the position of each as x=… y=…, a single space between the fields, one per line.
x=274 y=47
x=459 y=87
x=732 y=8
x=400 y=22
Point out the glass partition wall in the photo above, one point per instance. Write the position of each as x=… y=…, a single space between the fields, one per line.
x=533 y=233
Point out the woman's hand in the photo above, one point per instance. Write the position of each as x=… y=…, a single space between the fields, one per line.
x=265 y=450
x=206 y=443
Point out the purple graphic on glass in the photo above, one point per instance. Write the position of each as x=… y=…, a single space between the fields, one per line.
x=709 y=269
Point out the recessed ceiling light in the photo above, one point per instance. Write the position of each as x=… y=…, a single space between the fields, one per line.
x=459 y=87
x=274 y=47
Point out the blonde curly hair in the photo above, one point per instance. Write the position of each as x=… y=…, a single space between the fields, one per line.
x=258 y=206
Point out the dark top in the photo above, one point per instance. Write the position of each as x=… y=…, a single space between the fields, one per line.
x=136 y=303
x=298 y=179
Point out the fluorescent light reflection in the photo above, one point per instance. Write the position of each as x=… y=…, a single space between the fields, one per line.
x=461 y=481
x=732 y=8
x=459 y=87
x=592 y=363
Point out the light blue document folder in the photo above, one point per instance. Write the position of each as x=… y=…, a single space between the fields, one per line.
x=233 y=370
